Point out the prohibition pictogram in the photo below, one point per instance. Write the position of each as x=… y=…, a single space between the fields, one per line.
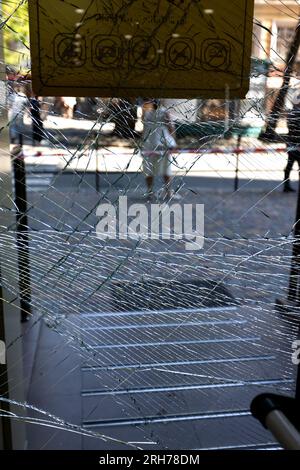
x=69 y=51
x=216 y=54
x=107 y=51
x=135 y=51
x=180 y=53
x=143 y=52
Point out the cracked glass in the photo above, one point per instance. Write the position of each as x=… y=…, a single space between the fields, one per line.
x=147 y=243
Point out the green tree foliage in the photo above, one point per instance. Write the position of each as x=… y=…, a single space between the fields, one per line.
x=15 y=26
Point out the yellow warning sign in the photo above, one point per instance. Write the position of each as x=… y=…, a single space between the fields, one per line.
x=128 y=48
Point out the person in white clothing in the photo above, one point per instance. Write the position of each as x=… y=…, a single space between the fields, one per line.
x=156 y=144
x=18 y=104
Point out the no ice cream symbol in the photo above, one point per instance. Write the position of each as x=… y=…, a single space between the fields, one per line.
x=216 y=55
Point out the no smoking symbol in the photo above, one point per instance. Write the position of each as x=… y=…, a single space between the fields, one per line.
x=216 y=54
x=181 y=54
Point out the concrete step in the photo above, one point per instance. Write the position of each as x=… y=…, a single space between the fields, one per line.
x=181 y=378
x=219 y=430
x=251 y=368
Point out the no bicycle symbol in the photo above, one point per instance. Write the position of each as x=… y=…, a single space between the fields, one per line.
x=216 y=54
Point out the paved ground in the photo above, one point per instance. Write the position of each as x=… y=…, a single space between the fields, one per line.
x=69 y=142
x=204 y=163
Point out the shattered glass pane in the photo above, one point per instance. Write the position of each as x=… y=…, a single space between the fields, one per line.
x=147 y=328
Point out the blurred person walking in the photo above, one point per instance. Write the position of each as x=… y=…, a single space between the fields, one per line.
x=122 y=113
x=69 y=106
x=293 y=142
x=18 y=105
x=157 y=142
x=37 y=123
